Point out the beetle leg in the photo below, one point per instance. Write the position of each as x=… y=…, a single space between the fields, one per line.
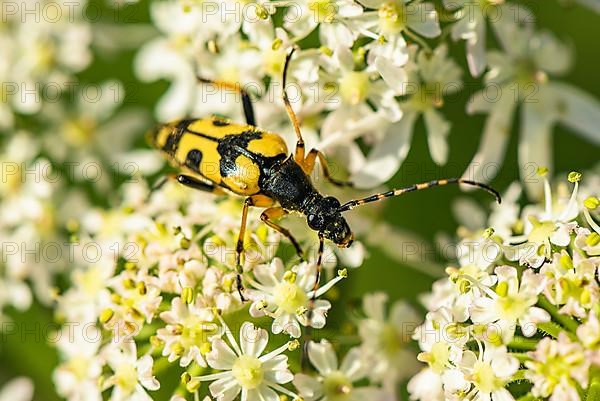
x=308 y=166
x=313 y=299
x=186 y=180
x=239 y=248
x=299 y=152
x=274 y=213
x=195 y=183
x=246 y=100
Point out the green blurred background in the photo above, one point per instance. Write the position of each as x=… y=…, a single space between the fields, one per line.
x=426 y=213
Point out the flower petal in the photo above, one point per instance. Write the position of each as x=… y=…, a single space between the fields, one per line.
x=496 y=133
x=322 y=356
x=423 y=19
x=253 y=340
x=437 y=131
x=386 y=157
x=221 y=357
x=580 y=111
x=535 y=146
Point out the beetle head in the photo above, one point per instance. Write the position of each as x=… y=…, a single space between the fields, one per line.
x=326 y=218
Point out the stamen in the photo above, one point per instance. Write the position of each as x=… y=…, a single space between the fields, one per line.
x=230 y=337
x=275 y=352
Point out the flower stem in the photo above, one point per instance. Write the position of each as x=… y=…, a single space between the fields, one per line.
x=526 y=397
x=418 y=41
x=521 y=356
x=522 y=343
x=566 y=321
x=519 y=375
x=593 y=393
x=554 y=329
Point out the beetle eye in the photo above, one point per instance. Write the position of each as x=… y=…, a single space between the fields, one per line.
x=331 y=202
x=315 y=221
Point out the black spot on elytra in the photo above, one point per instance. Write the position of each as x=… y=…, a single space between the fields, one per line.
x=193 y=159
x=175 y=136
x=217 y=122
x=231 y=147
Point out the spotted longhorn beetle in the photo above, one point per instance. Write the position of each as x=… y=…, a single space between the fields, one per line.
x=255 y=163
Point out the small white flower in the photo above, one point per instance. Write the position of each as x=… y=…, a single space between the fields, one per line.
x=19 y=389
x=430 y=78
x=557 y=368
x=521 y=75
x=244 y=370
x=490 y=372
x=426 y=385
x=513 y=302
x=589 y=335
x=77 y=376
x=334 y=383
x=397 y=16
x=131 y=377
x=188 y=332
x=286 y=296
x=331 y=16
x=385 y=339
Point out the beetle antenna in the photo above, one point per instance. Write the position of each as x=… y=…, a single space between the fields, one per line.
x=400 y=191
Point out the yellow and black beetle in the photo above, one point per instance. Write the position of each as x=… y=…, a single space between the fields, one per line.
x=221 y=156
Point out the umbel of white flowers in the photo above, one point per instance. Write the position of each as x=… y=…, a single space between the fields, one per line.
x=521 y=307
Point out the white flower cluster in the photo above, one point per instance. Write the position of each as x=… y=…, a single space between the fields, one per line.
x=62 y=135
x=157 y=307
x=161 y=277
x=367 y=70
x=522 y=306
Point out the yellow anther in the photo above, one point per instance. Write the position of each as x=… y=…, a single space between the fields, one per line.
x=205 y=348
x=290 y=276
x=185 y=378
x=464 y=285
x=593 y=239
x=177 y=329
x=213 y=47
x=141 y=287
x=193 y=386
x=177 y=349
x=276 y=44
x=424 y=357
x=185 y=243
x=130 y=328
x=502 y=288
x=187 y=295
x=293 y=345
x=129 y=284
x=156 y=342
x=262 y=12
x=566 y=261
x=301 y=310
x=585 y=297
x=162 y=229
x=574 y=176
x=135 y=313
x=130 y=266
x=488 y=232
x=343 y=273
x=106 y=315
x=542 y=171
x=326 y=51
x=591 y=202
